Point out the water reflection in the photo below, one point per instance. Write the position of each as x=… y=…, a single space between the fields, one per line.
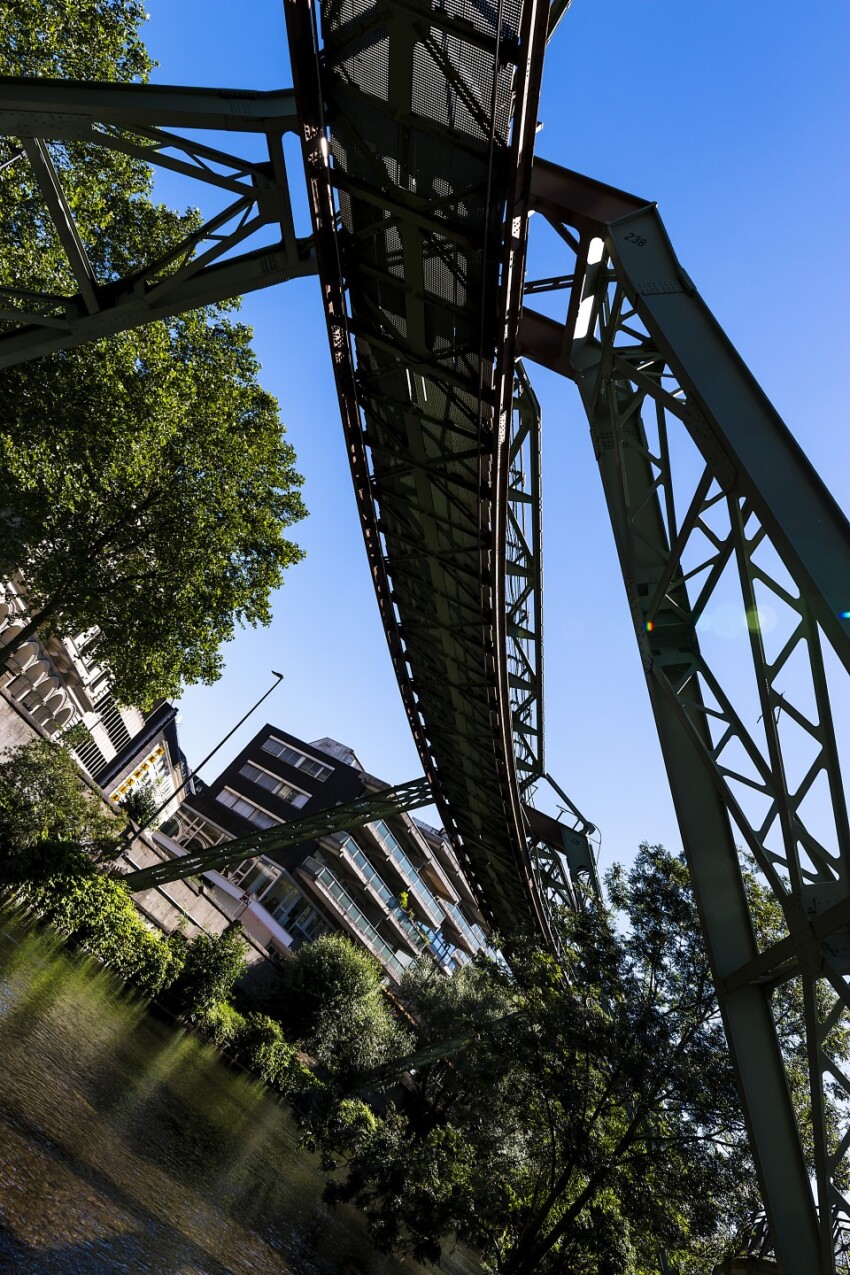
x=126 y=1146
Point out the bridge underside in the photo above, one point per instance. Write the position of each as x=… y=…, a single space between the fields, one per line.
x=420 y=212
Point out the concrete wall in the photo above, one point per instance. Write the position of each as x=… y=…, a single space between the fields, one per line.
x=195 y=907
x=14 y=727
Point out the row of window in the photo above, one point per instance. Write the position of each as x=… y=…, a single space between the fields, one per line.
x=247 y=809
x=273 y=784
x=293 y=757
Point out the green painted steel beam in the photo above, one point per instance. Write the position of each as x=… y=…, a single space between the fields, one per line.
x=713 y=504
x=249 y=243
x=321 y=823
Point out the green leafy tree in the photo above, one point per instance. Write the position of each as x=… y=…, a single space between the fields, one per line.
x=140 y=804
x=593 y=1119
x=332 y=1000
x=145 y=486
x=213 y=965
x=110 y=193
x=44 y=808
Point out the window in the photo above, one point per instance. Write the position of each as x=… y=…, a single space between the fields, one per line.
x=272 y=784
x=294 y=758
x=242 y=806
x=253 y=877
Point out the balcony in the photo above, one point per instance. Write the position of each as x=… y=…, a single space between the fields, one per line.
x=466 y=931
x=373 y=883
x=339 y=901
x=403 y=866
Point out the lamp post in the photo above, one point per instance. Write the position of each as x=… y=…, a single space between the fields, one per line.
x=130 y=835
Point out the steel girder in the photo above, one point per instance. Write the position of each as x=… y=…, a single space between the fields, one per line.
x=50 y=124
x=321 y=823
x=524 y=584
x=736 y=562
x=418 y=177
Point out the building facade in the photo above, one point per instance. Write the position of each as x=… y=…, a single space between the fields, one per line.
x=394 y=886
x=58 y=684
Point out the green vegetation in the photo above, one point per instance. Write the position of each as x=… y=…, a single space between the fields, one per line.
x=592 y=1119
x=44 y=809
x=212 y=968
x=145 y=485
x=140 y=804
x=332 y=1000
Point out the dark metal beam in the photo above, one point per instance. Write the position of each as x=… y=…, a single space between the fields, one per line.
x=714 y=506
x=219 y=260
x=322 y=823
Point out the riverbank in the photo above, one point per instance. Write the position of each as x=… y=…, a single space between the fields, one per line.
x=126 y=1145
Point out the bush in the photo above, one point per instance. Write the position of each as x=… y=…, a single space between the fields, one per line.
x=333 y=998
x=97 y=912
x=140 y=805
x=265 y=1051
x=214 y=964
x=221 y=1024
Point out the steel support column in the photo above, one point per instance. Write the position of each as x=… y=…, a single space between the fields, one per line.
x=736 y=562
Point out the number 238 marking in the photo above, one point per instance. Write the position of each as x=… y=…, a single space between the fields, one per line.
x=638 y=240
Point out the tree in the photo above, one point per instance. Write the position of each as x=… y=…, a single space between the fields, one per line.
x=593 y=1119
x=145 y=486
x=332 y=1000
x=162 y=527
x=110 y=193
x=45 y=809
x=140 y=804
x=213 y=965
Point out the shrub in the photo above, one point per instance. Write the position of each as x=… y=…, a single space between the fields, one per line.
x=221 y=1025
x=333 y=997
x=97 y=912
x=214 y=963
x=266 y=1052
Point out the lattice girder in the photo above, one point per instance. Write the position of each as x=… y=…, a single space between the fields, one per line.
x=250 y=243
x=736 y=562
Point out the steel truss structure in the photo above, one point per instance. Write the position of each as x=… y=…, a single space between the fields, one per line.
x=49 y=124
x=321 y=823
x=418 y=127
x=417 y=123
x=736 y=562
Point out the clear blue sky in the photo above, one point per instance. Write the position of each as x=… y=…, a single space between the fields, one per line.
x=734 y=118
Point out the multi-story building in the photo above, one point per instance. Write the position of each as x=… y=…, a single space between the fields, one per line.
x=394 y=885
x=152 y=760
x=58 y=683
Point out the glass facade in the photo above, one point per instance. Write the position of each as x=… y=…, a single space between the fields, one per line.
x=356 y=916
x=416 y=886
x=369 y=873
x=463 y=925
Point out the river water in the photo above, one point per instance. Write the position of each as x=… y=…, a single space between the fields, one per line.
x=127 y=1146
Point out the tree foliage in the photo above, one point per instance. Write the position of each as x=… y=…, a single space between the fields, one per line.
x=592 y=1120
x=145 y=486
x=109 y=192
x=332 y=1000
x=213 y=965
x=44 y=807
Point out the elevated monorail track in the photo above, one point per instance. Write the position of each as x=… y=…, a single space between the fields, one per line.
x=420 y=205
x=417 y=120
